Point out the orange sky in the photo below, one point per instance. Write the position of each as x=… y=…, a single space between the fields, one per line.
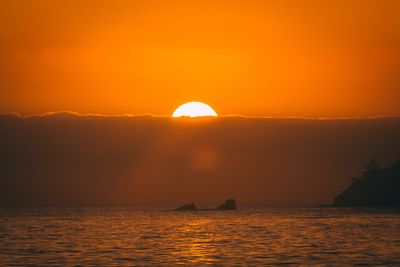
x=262 y=58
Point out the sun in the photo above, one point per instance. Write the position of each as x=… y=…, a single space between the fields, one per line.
x=194 y=109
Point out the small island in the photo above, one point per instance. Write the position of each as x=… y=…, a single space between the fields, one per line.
x=377 y=187
x=230 y=204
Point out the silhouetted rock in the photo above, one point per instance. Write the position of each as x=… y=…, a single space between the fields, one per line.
x=377 y=187
x=187 y=207
x=230 y=204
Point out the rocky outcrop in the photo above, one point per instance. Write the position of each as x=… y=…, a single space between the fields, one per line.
x=230 y=204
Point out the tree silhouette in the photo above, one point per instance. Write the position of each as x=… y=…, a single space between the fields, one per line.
x=378 y=186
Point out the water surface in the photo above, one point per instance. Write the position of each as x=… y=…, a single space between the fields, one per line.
x=262 y=236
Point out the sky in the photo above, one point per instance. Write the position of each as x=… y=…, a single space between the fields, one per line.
x=256 y=58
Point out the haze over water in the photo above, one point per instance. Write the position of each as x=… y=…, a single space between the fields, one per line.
x=128 y=236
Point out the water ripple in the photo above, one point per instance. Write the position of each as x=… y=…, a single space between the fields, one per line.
x=270 y=236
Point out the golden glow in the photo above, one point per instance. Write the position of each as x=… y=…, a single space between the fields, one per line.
x=253 y=58
x=194 y=109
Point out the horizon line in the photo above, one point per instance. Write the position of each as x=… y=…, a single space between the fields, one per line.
x=147 y=114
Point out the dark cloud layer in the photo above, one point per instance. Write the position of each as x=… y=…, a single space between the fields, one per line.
x=69 y=159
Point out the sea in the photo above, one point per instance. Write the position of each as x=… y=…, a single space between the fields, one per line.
x=261 y=236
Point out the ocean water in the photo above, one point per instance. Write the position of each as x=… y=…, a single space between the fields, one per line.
x=135 y=237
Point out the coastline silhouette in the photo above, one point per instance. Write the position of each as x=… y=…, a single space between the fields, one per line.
x=377 y=187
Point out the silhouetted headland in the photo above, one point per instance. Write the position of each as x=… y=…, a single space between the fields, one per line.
x=230 y=204
x=377 y=187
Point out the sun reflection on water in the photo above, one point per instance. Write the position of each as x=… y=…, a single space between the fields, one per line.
x=122 y=236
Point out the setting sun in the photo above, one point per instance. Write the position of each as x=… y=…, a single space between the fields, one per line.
x=194 y=109
x=184 y=132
